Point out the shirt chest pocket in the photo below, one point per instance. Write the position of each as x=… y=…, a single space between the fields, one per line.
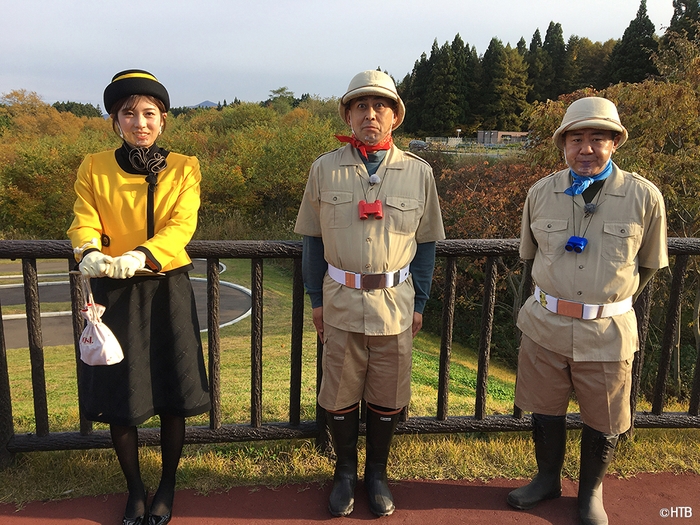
x=551 y=235
x=336 y=209
x=402 y=214
x=621 y=241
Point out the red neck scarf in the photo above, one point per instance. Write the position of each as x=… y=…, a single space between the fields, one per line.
x=363 y=148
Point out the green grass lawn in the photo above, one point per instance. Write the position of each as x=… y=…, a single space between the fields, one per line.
x=52 y=475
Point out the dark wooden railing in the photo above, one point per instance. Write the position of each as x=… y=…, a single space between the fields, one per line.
x=257 y=252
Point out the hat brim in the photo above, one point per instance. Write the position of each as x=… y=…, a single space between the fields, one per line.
x=376 y=91
x=591 y=123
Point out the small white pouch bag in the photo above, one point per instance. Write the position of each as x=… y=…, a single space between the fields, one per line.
x=98 y=345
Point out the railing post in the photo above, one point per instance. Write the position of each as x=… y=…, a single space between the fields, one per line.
x=487 y=310
x=642 y=309
x=527 y=287
x=36 y=347
x=448 y=316
x=214 y=341
x=77 y=303
x=695 y=390
x=6 y=423
x=672 y=316
x=323 y=439
x=256 y=270
x=296 y=344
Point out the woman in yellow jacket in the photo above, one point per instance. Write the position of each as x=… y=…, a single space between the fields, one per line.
x=136 y=210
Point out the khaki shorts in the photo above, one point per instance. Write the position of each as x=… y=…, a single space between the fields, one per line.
x=546 y=380
x=357 y=366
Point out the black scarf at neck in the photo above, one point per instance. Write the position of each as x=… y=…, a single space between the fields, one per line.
x=144 y=161
x=141 y=161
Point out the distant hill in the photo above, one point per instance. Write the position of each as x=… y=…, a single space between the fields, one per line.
x=205 y=104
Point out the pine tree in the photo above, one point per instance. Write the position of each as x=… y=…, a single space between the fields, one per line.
x=505 y=87
x=539 y=69
x=555 y=47
x=572 y=73
x=522 y=47
x=460 y=55
x=630 y=60
x=77 y=108
x=590 y=60
x=413 y=95
x=440 y=111
x=467 y=84
x=686 y=14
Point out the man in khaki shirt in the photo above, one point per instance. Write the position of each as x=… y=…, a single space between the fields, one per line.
x=595 y=235
x=370 y=217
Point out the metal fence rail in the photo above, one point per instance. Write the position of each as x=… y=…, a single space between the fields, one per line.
x=257 y=251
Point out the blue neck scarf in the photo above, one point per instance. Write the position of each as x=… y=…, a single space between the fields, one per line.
x=581 y=183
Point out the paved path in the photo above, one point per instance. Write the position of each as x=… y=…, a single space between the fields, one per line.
x=642 y=500
x=234 y=300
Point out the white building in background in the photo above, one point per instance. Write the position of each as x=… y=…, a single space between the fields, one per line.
x=500 y=137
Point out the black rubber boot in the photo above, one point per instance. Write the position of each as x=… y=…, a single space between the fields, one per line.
x=549 y=434
x=380 y=431
x=596 y=454
x=344 y=430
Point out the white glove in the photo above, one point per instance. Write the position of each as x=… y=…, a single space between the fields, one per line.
x=95 y=264
x=125 y=266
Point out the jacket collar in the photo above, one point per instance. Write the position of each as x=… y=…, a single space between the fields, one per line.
x=394 y=159
x=614 y=184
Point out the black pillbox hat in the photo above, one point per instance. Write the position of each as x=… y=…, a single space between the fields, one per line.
x=134 y=82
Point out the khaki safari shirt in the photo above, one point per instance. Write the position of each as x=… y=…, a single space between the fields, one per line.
x=338 y=180
x=110 y=209
x=626 y=231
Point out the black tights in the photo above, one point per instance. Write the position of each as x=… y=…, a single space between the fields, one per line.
x=125 y=440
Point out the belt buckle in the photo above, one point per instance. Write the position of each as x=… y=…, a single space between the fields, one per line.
x=373 y=281
x=570 y=308
x=350 y=280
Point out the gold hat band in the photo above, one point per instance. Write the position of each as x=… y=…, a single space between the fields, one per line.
x=136 y=75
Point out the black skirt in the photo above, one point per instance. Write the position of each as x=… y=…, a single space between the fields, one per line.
x=163 y=372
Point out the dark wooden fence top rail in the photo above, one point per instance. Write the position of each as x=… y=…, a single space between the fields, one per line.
x=490 y=250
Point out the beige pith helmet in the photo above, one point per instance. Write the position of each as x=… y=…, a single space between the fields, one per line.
x=590 y=112
x=372 y=82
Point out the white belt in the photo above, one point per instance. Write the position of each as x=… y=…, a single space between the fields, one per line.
x=367 y=281
x=581 y=310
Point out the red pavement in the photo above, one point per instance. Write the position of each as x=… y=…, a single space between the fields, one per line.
x=645 y=499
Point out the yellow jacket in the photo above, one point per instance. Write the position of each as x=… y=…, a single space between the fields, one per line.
x=110 y=210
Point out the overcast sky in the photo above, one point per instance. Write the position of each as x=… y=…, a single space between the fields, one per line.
x=221 y=50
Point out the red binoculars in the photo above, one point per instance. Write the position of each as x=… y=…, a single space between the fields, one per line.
x=372 y=208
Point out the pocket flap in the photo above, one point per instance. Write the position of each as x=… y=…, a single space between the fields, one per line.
x=550 y=225
x=622 y=229
x=336 y=197
x=402 y=203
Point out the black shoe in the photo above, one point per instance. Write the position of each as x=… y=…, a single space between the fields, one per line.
x=139 y=520
x=159 y=520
